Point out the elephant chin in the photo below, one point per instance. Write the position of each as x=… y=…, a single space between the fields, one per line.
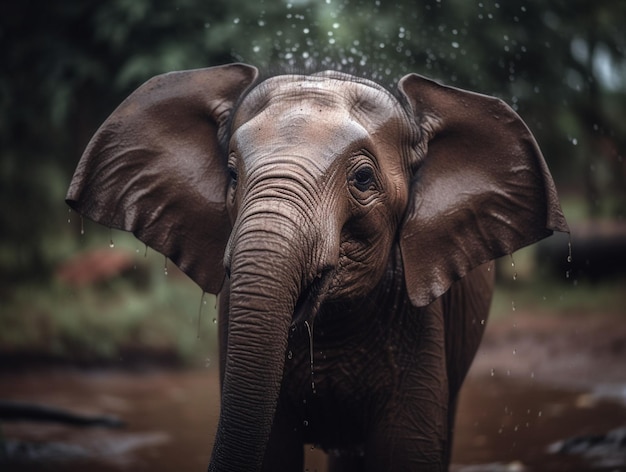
x=312 y=297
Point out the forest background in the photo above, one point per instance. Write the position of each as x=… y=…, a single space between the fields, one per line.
x=64 y=66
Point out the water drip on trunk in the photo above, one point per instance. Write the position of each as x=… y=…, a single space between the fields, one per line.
x=310 y=331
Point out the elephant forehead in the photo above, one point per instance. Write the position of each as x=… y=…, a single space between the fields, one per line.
x=303 y=130
x=327 y=96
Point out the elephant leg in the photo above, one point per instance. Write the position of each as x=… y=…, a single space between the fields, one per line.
x=345 y=463
x=400 y=452
x=285 y=449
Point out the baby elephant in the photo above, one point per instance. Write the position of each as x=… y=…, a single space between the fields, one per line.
x=349 y=233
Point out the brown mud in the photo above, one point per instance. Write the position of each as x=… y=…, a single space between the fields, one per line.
x=537 y=380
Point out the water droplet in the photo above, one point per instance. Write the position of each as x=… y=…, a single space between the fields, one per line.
x=493 y=372
x=310 y=331
x=305 y=423
x=111 y=244
x=569 y=250
x=290 y=355
x=513 y=266
x=202 y=302
x=539 y=413
x=69 y=215
x=165 y=267
x=207 y=362
x=512 y=305
x=236 y=21
x=214 y=320
x=514 y=352
x=482 y=322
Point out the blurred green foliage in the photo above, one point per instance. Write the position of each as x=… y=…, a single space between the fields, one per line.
x=64 y=66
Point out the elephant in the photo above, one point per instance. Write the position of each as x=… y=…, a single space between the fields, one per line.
x=350 y=233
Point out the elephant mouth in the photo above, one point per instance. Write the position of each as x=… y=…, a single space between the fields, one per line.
x=312 y=297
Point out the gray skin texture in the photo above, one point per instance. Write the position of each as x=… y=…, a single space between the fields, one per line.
x=349 y=233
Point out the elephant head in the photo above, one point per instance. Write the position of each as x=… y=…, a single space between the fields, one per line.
x=297 y=189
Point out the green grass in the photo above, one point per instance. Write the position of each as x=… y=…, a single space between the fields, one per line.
x=105 y=323
x=547 y=296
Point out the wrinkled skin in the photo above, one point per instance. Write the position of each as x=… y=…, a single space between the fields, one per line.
x=349 y=234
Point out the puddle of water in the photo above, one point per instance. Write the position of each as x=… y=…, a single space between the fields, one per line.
x=512 y=423
x=170 y=416
x=502 y=424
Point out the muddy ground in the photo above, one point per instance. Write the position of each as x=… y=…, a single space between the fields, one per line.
x=537 y=380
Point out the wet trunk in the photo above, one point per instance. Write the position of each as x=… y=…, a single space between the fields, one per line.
x=265 y=285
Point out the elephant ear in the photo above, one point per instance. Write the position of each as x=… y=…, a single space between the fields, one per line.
x=481 y=188
x=155 y=168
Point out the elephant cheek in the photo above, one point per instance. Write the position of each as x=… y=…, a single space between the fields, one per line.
x=361 y=267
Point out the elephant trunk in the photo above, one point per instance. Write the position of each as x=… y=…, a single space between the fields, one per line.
x=268 y=268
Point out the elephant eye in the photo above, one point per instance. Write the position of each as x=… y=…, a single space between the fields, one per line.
x=364 y=178
x=233 y=175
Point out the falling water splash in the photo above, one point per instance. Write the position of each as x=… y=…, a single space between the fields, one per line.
x=82 y=221
x=202 y=303
x=310 y=330
x=513 y=267
x=514 y=278
x=111 y=243
x=569 y=257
